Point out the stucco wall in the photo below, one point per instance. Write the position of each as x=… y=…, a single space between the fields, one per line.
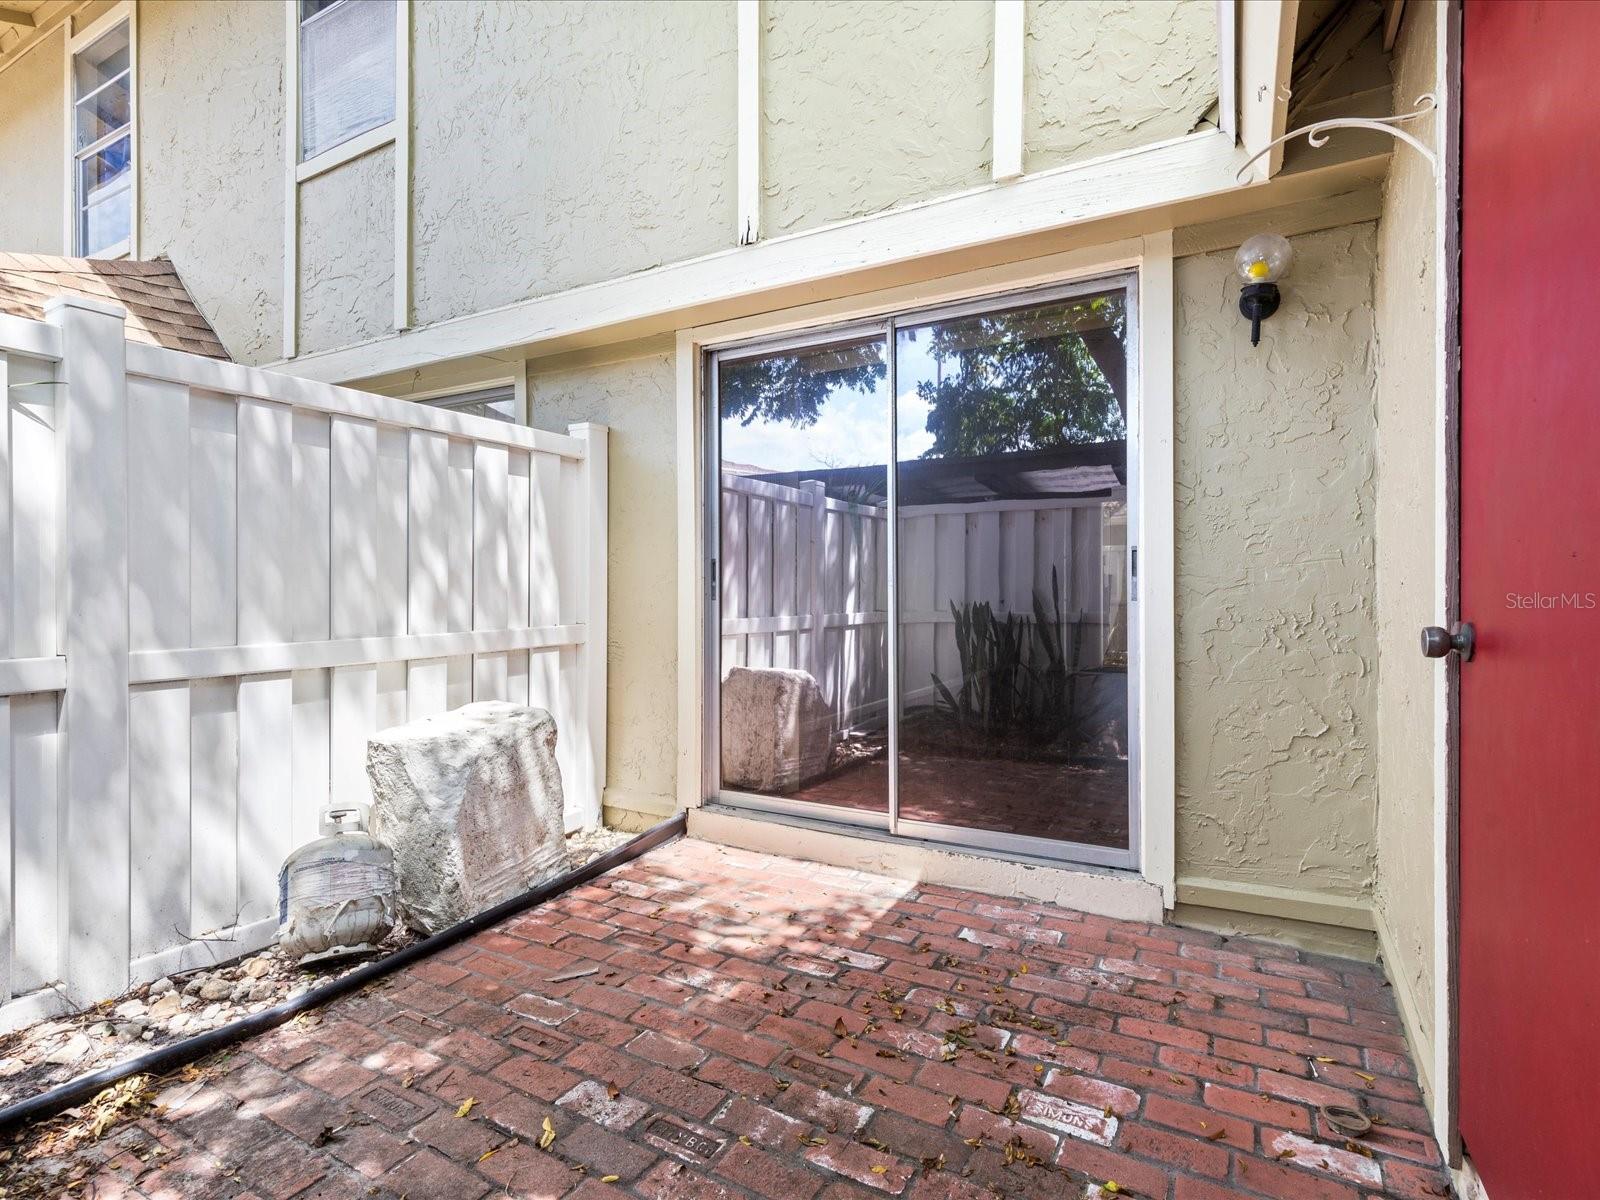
x=868 y=105
x=31 y=145
x=347 y=253
x=1276 y=629
x=559 y=144
x=636 y=397
x=1106 y=75
x=211 y=161
x=1407 y=398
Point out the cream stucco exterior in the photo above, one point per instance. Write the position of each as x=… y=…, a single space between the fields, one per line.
x=1408 y=858
x=1162 y=54
x=635 y=396
x=346 y=256
x=559 y=144
x=865 y=106
x=1277 y=645
x=212 y=194
x=32 y=145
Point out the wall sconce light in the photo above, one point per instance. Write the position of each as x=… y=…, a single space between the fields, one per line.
x=1261 y=262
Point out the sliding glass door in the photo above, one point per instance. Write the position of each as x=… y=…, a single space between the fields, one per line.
x=922 y=572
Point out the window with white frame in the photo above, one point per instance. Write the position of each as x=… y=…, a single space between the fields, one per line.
x=498 y=403
x=102 y=142
x=347 y=71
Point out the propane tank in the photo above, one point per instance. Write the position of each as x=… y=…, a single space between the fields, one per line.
x=336 y=894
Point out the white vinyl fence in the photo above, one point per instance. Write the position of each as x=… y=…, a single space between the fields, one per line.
x=803 y=582
x=215 y=583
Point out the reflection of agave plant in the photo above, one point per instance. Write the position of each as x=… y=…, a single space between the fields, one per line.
x=1019 y=675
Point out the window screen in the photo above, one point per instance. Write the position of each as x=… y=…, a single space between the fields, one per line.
x=346 y=71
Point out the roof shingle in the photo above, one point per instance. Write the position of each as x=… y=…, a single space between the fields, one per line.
x=160 y=310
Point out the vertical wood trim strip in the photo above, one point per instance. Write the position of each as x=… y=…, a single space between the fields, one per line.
x=1008 y=92
x=1228 y=68
x=1156 y=500
x=749 y=230
x=402 y=164
x=592 y=561
x=8 y=896
x=291 y=184
x=6 y=563
x=133 y=129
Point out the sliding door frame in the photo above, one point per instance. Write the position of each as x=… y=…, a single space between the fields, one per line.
x=887 y=326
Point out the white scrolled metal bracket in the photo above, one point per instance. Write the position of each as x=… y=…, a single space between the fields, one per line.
x=1316 y=134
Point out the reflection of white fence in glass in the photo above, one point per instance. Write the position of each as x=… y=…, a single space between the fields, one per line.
x=215 y=583
x=804 y=582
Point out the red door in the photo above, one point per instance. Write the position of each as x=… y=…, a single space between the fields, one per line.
x=1530 y=582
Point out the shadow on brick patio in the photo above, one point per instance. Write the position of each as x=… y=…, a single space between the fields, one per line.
x=712 y=1023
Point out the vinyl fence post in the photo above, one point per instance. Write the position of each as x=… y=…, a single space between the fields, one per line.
x=592 y=560
x=93 y=437
x=815 y=596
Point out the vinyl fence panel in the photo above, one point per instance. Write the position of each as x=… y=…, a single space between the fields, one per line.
x=257 y=572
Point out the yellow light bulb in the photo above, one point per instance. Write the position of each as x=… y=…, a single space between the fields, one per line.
x=1258 y=269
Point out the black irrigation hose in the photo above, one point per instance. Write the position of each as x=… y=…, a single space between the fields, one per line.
x=178 y=1054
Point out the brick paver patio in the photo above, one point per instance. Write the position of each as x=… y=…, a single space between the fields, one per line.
x=756 y=1026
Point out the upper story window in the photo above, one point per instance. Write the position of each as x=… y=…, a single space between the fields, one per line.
x=347 y=71
x=102 y=141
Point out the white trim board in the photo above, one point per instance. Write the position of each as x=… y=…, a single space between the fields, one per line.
x=748 y=231
x=1156 y=580
x=719 y=287
x=1009 y=97
x=772 y=273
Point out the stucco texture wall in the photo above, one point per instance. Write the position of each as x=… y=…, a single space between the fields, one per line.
x=1407 y=399
x=1107 y=75
x=211 y=161
x=565 y=143
x=866 y=105
x=32 y=143
x=636 y=397
x=1276 y=629
x=347 y=253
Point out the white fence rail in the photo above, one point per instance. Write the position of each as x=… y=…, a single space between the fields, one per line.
x=803 y=580
x=215 y=583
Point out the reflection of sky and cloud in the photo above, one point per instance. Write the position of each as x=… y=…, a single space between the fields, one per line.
x=852 y=429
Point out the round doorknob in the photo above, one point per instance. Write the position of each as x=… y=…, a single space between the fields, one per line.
x=1437 y=641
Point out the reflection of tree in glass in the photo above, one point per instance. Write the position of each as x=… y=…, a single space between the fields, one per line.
x=792 y=388
x=1027 y=380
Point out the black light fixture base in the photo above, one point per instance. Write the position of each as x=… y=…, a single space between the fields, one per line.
x=1258 y=301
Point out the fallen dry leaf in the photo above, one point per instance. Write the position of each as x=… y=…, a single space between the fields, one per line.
x=548 y=1137
x=467 y=1106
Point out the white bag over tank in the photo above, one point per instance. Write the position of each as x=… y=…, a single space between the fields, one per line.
x=470 y=802
x=336 y=894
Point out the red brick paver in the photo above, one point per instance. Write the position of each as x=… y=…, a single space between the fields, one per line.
x=751 y=1026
